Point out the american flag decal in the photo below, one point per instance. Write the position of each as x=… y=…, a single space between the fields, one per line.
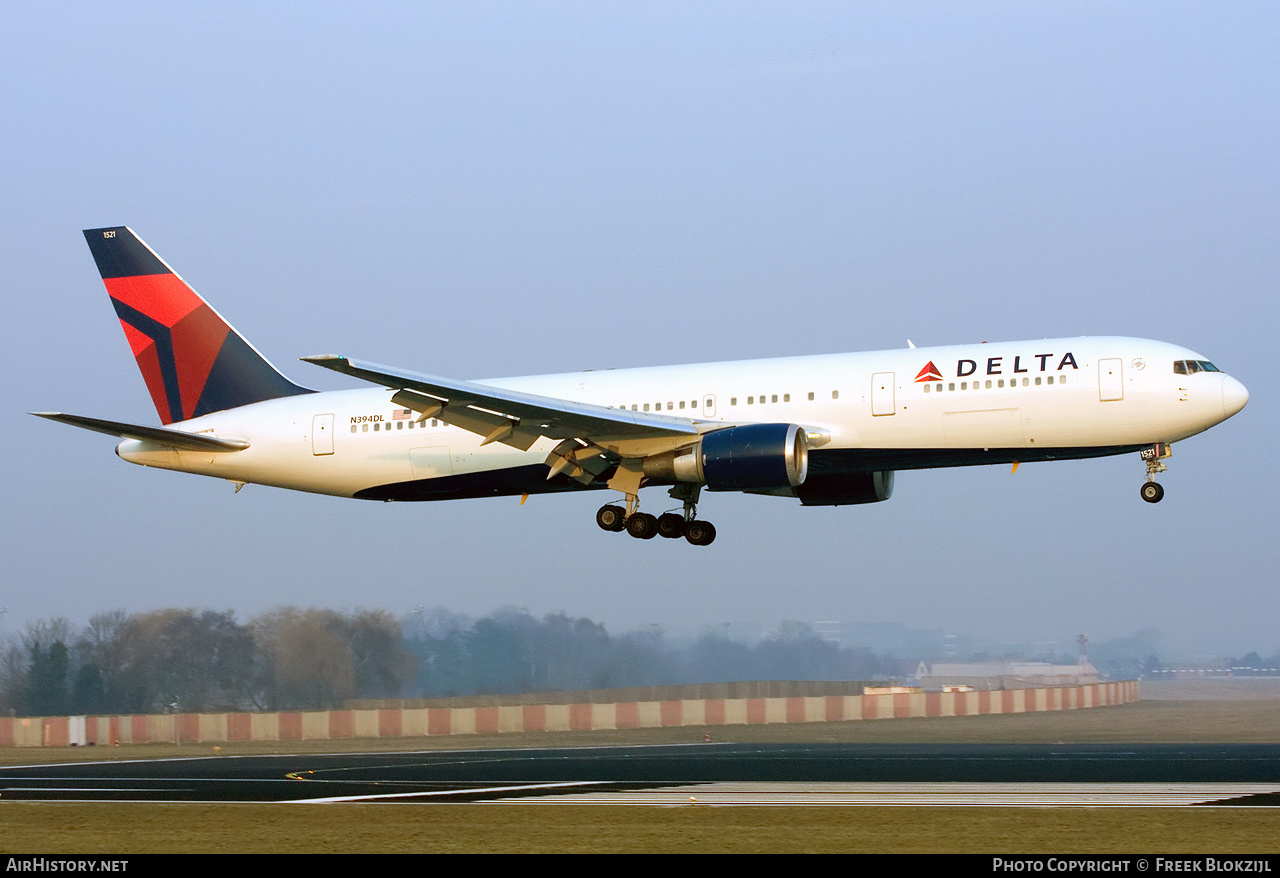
x=401 y=414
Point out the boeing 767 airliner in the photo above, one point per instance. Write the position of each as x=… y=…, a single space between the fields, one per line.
x=827 y=430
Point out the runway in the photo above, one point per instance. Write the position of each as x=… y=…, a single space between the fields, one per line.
x=698 y=774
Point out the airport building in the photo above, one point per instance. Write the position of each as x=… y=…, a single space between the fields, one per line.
x=992 y=676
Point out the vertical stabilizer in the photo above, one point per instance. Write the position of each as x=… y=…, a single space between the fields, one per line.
x=193 y=362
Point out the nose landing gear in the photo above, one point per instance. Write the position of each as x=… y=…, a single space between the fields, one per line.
x=1153 y=491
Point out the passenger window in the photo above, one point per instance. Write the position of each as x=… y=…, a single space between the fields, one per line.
x=773 y=398
x=751 y=400
x=835 y=394
x=1050 y=379
x=733 y=400
x=353 y=428
x=928 y=387
x=951 y=386
x=786 y=397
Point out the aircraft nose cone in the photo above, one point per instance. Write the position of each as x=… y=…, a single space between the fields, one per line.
x=1234 y=395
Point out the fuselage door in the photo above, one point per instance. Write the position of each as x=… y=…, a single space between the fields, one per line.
x=322 y=434
x=708 y=406
x=1110 y=380
x=882 y=394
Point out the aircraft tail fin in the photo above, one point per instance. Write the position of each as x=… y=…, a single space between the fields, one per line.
x=192 y=360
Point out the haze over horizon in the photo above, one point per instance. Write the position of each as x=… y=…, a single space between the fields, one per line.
x=486 y=190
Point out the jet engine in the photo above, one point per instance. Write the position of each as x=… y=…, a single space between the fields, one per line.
x=750 y=457
x=846 y=489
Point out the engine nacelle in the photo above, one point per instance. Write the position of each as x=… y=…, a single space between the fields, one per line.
x=742 y=458
x=846 y=489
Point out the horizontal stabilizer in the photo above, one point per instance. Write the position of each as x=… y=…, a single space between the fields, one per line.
x=178 y=439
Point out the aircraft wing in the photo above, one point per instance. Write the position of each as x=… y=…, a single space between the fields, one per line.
x=178 y=439
x=509 y=416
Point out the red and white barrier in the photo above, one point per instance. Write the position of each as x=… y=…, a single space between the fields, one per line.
x=216 y=728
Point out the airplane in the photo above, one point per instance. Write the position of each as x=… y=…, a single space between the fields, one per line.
x=827 y=430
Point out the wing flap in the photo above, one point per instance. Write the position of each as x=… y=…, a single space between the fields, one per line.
x=178 y=439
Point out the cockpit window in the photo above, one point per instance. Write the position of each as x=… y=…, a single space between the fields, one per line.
x=1190 y=367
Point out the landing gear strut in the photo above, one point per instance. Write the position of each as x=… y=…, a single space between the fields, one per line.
x=1153 y=491
x=697 y=533
x=671 y=525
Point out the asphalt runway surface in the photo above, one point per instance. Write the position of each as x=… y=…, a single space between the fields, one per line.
x=712 y=774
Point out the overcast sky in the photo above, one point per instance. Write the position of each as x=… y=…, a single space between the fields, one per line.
x=475 y=190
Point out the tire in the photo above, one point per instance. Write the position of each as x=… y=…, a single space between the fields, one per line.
x=642 y=526
x=1153 y=492
x=700 y=533
x=671 y=525
x=611 y=518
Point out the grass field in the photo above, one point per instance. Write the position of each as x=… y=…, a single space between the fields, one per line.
x=57 y=827
x=66 y=827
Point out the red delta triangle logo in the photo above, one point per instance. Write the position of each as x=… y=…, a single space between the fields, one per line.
x=929 y=373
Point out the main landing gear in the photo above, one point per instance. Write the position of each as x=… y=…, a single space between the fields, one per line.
x=1153 y=491
x=671 y=525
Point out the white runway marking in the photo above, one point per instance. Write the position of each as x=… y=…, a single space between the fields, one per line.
x=430 y=794
x=927 y=794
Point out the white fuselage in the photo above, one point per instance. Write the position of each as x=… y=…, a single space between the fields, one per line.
x=1103 y=395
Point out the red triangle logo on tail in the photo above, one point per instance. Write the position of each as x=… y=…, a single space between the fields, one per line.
x=929 y=373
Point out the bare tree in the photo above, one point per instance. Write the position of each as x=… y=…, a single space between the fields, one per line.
x=308 y=662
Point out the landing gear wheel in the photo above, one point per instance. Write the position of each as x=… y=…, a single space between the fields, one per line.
x=671 y=525
x=611 y=518
x=1153 y=492
x=642 y=526
x=700 y=533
